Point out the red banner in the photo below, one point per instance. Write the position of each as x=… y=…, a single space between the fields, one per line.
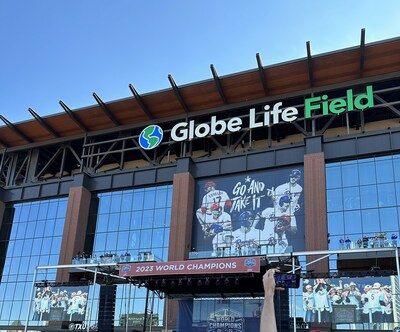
x=203 y=266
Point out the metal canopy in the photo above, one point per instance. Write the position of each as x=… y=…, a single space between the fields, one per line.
x=178 y=93
x=73 y=116
x=105 y=109
x=15 y=129
x=218 y=84
x=140 y=102
x=43 y=123
x=360 y=65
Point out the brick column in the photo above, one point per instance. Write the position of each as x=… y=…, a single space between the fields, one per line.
x=181 y=228
x=74 y=233
x=316 y=227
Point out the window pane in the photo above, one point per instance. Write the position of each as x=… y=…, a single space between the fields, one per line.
x=334 y=200
x=369 y=197
x=367 y=172
x=370 y=220
x=350 y=175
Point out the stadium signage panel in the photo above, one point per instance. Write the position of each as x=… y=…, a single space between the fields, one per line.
x=151 y=136
x=204 y=266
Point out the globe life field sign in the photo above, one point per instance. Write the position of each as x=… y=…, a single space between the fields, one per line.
x=152 y=135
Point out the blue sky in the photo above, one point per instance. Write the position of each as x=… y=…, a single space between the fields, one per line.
x=55 y=50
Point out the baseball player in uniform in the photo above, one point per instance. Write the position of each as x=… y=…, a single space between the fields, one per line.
x=291 y=189
x=246 y=238
x=212 y=196
x=277 y=223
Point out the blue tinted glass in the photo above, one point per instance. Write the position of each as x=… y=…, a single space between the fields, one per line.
x=384 y=170
x=160 y=218
x=30 y=229
x=125 y=221
x=104 y=204
x=42 y=213
x=27 y=248
x=367 y=172
x=123 y=240
x=113 y=222
x=335 y=223
x=145 y=239
x=24 y=213
x=49 y=228
x=386 y=194
x=116 y=200
x=396 y=167
x=350 y=175
x=352 y=222
x=369 y=196
x=158 y=237
x=370 y=220
x=52 y=210
x=136 y=221
x=397 y=186
x=334 y=200
x=59 y=226
x=333 y=177
x=111 y=242
x=161 y=201
x=102 y=222
x=147 y=220
x=351 y=198
x=138 y=197
x=56 y=244
x=62 y=208
x=126 y=204
x=389 y=219
x=134 y=239
x=149 y=199
x=39 y=231
x=34 y=211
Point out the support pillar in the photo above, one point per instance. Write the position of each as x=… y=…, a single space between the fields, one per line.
x=181 y=224
x=316 y=225
x=74 y=234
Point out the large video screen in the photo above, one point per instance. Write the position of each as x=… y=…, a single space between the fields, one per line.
x=64 y=303
x=250 y=213
x=363 y=300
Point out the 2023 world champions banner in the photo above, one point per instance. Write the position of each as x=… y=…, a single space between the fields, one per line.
x=250 y=213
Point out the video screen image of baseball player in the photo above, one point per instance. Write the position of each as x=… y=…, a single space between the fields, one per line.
x=253 y=213
x=368 y=300
x=65 y=303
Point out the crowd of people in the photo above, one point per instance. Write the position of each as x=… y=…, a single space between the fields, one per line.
x=254 y=232
x=379 y=240
x=82 y=258
x=373 y=303
x=60 y=305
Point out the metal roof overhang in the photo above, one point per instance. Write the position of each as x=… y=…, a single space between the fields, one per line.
x=351 y=66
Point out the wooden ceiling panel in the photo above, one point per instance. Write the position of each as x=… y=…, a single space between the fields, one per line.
x=35 y=130
x=128 y=111
x=382 y=59
x=94 y=118
x=288 y=78
x=63 y=125
x=162 y=103
x=246 y=87
x=202 y=96
x=335 y=68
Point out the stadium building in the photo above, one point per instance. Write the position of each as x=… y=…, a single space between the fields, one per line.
x=162 y=211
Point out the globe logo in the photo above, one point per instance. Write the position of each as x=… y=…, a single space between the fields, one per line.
x=150 y=137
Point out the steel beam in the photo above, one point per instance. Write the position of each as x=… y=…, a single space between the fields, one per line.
x=105 y=109
x=178 y=94
x=16 y=130
x=73 y=117
x=141 y=103
x=261 y=74
x=218 y=84
x=43 y=123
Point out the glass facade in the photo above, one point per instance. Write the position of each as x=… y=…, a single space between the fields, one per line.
x=30 y=237
x=363 y=201
x=134 y=221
